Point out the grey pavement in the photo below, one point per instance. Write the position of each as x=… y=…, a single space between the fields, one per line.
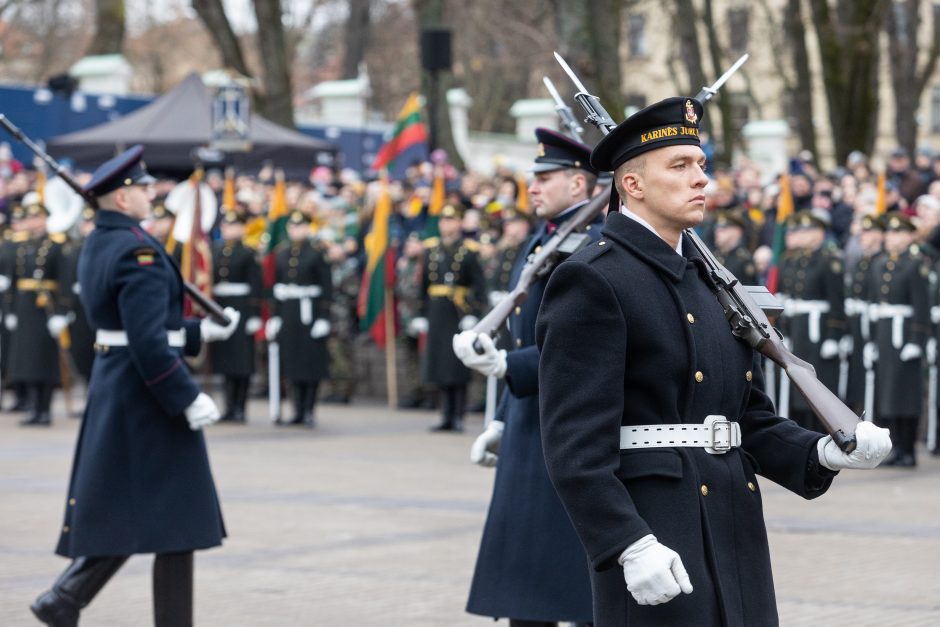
x=369 y=520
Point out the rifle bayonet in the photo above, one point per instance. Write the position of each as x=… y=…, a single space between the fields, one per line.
x=564 y=111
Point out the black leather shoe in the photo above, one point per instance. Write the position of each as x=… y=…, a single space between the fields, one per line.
x=52 y=609
x=446 y=425
x=42 y=419
x=906 y=460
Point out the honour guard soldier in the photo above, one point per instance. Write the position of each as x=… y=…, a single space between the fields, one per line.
x=236 y=284
x=301 y=321
x=140 y=477
x=731 y=246
x=15 y=237
x=530 y=567
x=634 y=340
x=454 y=291
x=409 y=300
x=812 y=277
x=901 y=315
x=40 y=306
x=857 y=308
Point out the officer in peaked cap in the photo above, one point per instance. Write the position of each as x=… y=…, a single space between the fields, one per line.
x=140 y=477
x=635 y=347
x=531 y=566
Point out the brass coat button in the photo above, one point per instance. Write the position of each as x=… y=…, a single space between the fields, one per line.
x=704 y=490
x=601 y=243
x=72 y=502
x=518 y=311
x=748 y=375
x=519 y=341
x=690 y=318
x=751 y=486
x=65 y=529
x=699 y=377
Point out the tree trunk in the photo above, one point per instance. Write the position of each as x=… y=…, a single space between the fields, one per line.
x=725 y=147
x=212 y=14
x=356 y=37
x=109 y=28
x=802 y=92
x=430 y=13
x=588 y=39
x=848 y=48
x=685 y=21
x=277 y=103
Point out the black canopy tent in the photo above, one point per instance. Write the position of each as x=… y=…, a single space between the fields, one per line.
x=172 y=126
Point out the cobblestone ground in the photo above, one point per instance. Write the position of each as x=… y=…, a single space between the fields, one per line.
x=371 y=520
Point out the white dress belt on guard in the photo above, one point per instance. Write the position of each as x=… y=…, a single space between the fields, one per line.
x=105 y=337
x=716 y=435
x=289 y=291
x=224 y=288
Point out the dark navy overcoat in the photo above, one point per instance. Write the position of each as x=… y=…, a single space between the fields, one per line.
x=531 y=565
x=630 y=333
x=140 y=480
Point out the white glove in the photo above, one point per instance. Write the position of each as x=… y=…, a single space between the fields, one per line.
x=320 y=328
x=10 y=322
x=202 y=412
x=932 y=351
x=653 y=572
x=486 y=446
x=252 y=325
x=829 y=349
x=468 y=322
x=417 y=326
x=212 y=331
x=491 y=362
x=56 y=324
x=496 y=296
x=910 y=352
x=872 y=445
x=846 y=346
x=272 y=328
x=869 y=355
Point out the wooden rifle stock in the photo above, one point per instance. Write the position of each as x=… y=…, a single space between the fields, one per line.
x=566 y=239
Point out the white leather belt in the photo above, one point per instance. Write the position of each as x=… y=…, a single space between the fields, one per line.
x=814 y=308
x=288 y=291
x=897 y=313
x=717 y=435
x=862 y=309
x=105 y=337
x=224 y=288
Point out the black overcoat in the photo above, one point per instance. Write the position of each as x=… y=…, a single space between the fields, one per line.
x=140 y=480
x=302 y=266
x=531 y=565
x=82 y=347
x=858 y=320
x=237 y=284
x=631 y=334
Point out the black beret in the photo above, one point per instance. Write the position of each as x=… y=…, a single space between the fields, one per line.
x=557 y=152
x=673 y=121
x=124 y=169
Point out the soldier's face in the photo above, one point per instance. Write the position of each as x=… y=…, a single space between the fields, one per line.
x=135 y=200
x=897 y=242
x=553 y=192
x=727 y=237
x=871 y=240
x=449 y=227
x=671 y=187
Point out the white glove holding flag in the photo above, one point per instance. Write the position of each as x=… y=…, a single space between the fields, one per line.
x=653 y=572
x=486 y=447
x=252 y=325
x=320 y=328
x=829 y=349
x=10 y=321
x=872 y=445
x=910 y=352
x=202 y=412
x=491 y=362
x=272 y=328
x=56 y=324
x=417 y=326
x=212 y=331
x=869 y=355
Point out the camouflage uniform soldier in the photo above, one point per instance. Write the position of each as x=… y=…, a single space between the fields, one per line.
x=341 y=344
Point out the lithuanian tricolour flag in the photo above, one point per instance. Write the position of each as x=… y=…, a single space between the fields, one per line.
x=409 y=131
x=379 y=275
x=784 y=211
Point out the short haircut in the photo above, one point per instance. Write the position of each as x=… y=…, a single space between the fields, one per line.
x=590 y=179
x=631 y=166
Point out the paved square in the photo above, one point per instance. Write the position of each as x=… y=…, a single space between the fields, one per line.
x=369 y=520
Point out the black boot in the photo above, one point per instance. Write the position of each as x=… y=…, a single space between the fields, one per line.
x=460 y=406
x=173 y=590
x=41 y=394
x=22 y=403
x=310 y=400
x=448 y=397
x=240 y=398
x=300 y=393
x=228 y=387
x=74 y=590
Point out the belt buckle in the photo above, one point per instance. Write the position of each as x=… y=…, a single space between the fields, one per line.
x=724 y=433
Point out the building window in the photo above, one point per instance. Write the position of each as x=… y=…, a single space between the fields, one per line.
x=935 y=110
x=737 y=25
x=636 y=35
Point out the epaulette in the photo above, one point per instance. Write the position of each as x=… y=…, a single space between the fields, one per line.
x=59 y=238
x=471 y=245
x=431 y=242
x=20 y=237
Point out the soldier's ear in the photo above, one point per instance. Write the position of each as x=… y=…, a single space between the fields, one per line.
x=632 y=184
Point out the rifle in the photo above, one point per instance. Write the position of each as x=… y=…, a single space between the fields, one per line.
x=564 y=112
x=208 y=305
x=748 y=320
x=566 y=240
